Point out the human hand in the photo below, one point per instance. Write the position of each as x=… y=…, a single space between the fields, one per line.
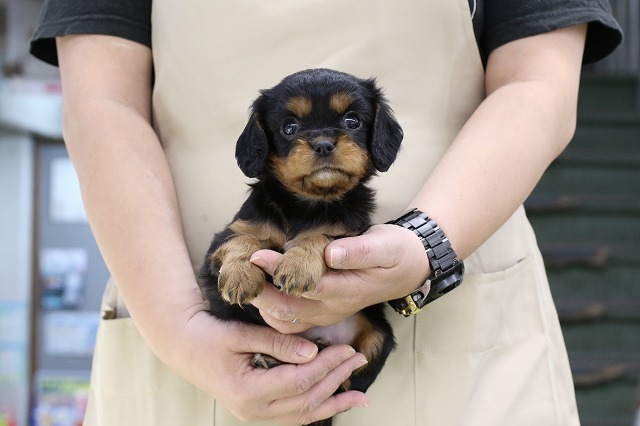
x=386 y=262
x=215 y=356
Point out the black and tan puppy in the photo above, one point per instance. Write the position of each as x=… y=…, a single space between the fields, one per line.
x=312 y=142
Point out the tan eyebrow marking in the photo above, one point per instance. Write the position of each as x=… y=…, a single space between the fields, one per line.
x=301 y=106
x=340 y=102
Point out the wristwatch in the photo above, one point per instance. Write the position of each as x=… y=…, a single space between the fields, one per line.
x=447 y=269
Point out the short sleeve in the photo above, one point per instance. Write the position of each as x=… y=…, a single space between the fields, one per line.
x=129 y=19
x=509 y=20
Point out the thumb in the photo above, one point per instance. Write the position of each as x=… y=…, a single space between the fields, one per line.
x=266 y=259
x=287 y=348
x=380 y=246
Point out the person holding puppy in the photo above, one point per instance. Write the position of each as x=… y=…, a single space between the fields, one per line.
x=151 y=133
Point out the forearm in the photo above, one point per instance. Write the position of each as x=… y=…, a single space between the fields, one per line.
x=129 y=195
x=130 y=201
x=498 y=157
x=494 y=164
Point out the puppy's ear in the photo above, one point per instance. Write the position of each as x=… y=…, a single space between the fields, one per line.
x=252 y=147
x=386 y=138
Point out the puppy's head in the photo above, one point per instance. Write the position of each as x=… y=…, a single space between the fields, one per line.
x=319 y=133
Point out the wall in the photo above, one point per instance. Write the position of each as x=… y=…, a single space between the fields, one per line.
x=16 y=201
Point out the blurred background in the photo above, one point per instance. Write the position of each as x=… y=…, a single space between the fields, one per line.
x=586 y=213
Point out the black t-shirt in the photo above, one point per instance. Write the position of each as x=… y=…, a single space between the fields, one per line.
x=130 y=19
x=495 y=22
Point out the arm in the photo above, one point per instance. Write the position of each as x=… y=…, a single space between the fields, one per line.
x=126 y=184
x=132 y=207
x=526 y=120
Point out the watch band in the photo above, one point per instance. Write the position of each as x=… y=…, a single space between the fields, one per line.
x=447 y=269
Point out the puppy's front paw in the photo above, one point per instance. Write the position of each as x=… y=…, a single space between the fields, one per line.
x=240 y=281
x=299 y=271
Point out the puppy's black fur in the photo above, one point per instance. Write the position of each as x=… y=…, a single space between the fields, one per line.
x=312 y=142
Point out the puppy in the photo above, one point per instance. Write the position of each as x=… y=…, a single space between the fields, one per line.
x=312 y=143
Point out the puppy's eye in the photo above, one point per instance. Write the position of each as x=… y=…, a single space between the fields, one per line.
x=351 y=120
x=290 y=127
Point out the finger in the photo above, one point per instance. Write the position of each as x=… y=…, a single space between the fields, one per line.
x=381 y=246
x=282 y=307
x=267 y=260
x=278 y=308
x=287 y=348
x=371 y=249
x=290 y=380
x=294 y=326
x=346 y=285
x=278 y=304
x=313 y=383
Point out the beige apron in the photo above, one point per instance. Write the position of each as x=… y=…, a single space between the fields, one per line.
x=489 y=353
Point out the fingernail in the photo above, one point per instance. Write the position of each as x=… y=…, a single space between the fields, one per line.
x=261 y=262
x=362 y=362
x=306 y=349
x=337 y=255
x=363 y=404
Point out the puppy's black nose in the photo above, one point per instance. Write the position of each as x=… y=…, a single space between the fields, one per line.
x=323 y=147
